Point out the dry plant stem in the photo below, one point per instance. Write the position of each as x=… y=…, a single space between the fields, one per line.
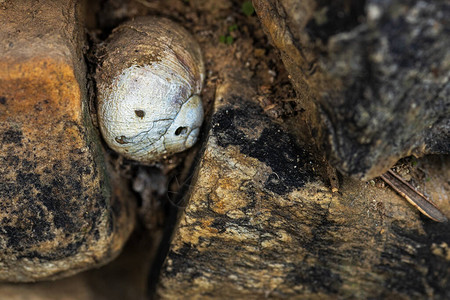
x=413 y=196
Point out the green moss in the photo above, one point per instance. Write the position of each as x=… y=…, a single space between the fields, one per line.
x=232 y=28
x=247 y=8
x=228 y=39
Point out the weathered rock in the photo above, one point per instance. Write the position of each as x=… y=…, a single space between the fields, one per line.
x=122 y=279
x=260 y=222
x=60 y=212
x=374 y=76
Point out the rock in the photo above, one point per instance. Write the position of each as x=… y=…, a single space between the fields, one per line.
x=61 y=212
x=373 y=76
x=260 y=222
x=123 y=278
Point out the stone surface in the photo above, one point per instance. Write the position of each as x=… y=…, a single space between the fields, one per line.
x=261 y=223
x=374 y=76
x=122 y=279
x=60 y=211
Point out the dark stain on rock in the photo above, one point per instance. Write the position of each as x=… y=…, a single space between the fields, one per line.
x=319 y=244
x=220 y=224
x=183 y=261
x=14 y=236
x=316 y=279
x=28 y=165
x=33 y=228
x=59 y=209
x=438 y=266
x=58 y=253
x=47 y=200
x=340 y=16
x=407 y=275
x=30 y=179
x=71 y=249
x=40 y=227
x=13 y=136
x=12 y=161
x=2 y=100
x=84 y=170
x=57 y=166
x=95 y=233
x=7 y=189
x=438 y=137
x=291 y=165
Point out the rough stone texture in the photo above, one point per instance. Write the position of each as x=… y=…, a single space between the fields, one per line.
x=122 y=279
x=60 y=212
x=374 y=75
x=260 y=222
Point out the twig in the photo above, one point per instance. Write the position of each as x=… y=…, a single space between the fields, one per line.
x=413 y=196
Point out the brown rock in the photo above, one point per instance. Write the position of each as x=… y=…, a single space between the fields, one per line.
x=125 y=278
x=60 y=212
x=260 y=222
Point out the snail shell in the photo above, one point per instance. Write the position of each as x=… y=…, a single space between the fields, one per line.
x=149 y=79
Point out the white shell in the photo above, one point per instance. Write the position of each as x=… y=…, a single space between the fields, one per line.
x=151 y=110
